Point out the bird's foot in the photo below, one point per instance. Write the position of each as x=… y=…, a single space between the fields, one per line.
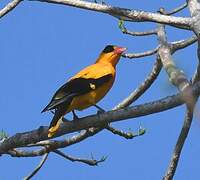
x=75 y=117
x=101 y=2
x=65 y=120
x=100 y=110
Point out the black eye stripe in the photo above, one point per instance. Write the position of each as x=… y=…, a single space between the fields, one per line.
x=108 y=49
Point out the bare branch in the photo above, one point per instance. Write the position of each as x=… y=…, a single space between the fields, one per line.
x=196 y=76
x=179 y=145
x=125 y=14
x=34 y=136
x=174 y=47
x=176 y=76
x=139 y=55
x=91 y=162
x=127 y=135
x=174 y=11
x=183 y=43
x=50 y=145
x=134 y=33
x=194 y=7
x=44 y=158
x=9 y=7
x=27 y=153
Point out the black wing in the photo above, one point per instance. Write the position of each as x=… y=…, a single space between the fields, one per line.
x=75 y=87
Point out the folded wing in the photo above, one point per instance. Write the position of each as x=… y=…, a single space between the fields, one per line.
x=75 y=87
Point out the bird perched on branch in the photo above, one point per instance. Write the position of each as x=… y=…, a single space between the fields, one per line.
x=86 y=88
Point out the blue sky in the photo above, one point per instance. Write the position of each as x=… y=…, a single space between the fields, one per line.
x=43 y=45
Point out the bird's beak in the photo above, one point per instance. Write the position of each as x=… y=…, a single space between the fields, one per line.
x=120 y=50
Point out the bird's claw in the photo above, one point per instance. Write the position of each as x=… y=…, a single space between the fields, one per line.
x=75 y=117
x=101 y=111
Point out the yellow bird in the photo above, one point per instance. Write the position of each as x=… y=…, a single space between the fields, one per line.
x=86 y=88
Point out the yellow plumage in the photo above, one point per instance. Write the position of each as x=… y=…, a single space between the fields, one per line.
x=86 y=88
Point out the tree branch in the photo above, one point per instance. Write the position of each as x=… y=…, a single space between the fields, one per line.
x=194 y=7
x=174 y=11
x=50 y=145
x=99 y=120
x=134 y=33
x=174 y=46
x=38 y=167
x=179 y=146
x=9 y=7
x=125 y=14
x=176 y=76
x=139 y=55
x=178 y=79
x=91 y=162
x=127 y=135
x=183 y=43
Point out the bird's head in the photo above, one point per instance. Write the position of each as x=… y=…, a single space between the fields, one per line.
x=111 y=54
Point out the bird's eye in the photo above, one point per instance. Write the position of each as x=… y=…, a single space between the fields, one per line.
x=108 y=49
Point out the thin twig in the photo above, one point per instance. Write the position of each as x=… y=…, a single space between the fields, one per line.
x=134 y=33
x=176 y=76
x=139 y=55
x=144 y=33
x=179 y=145
x=177 y=45
x=9 y=7
x=44 y=158
x=174 y=11
x=91 y=162
x=127 y=135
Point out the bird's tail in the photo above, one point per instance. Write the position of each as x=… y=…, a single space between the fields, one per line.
x=55 y=123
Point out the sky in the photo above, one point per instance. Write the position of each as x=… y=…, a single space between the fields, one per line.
x=42 y=45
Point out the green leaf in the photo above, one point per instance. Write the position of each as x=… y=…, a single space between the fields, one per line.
x=121 y=26
x=3 y=135
x=142 y=131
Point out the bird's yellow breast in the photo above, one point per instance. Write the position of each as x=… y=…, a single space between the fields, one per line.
x=86 y=100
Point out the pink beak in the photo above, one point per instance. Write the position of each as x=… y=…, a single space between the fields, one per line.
x=120 y=50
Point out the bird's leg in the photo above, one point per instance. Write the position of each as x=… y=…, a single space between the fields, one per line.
x=100 y=110
x=101 y=2
x=75 y=117
x=63 y=119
